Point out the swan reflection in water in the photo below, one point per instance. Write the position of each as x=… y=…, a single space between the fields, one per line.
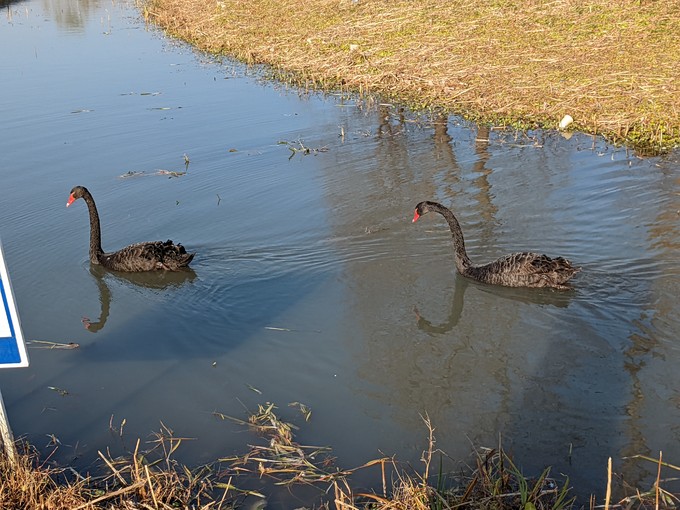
x=523 y=295
x=157 y=280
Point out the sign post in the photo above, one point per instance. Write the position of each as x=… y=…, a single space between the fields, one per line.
x=12 y=347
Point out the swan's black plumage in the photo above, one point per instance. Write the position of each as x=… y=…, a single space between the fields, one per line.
x=153 y=256
x=525 y=269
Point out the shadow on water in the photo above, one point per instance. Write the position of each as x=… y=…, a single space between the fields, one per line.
x=540 y=297
x=181 y=315
x=158 y=280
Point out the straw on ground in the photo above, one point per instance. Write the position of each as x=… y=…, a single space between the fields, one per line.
x=612 y=65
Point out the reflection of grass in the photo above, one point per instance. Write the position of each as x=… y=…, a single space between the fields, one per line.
x=153 y=479
x=613 y=65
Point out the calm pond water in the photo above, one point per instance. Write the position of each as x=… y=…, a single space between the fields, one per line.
x=310 y=282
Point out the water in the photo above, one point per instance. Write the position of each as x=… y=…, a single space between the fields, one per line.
x=310 y=282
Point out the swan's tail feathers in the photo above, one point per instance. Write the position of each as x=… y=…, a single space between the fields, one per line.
x=175 y=256
x=558 y=271
x=184 y=259
x=564 y=266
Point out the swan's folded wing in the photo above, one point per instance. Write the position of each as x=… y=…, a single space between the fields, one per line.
x=150 y=256
x=526 y=269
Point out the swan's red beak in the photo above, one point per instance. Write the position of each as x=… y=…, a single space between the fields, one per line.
x=415 y=216
x=72 y=199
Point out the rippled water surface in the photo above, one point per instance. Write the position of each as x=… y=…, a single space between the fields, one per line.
x=310 y=282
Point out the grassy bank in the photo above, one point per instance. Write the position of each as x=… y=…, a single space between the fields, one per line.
x=149 y=477
x=612 y=65
x=152 y=479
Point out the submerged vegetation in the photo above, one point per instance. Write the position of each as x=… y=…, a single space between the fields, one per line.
x=613 y=66
x=151 y=478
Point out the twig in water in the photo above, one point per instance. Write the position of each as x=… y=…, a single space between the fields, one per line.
x=170 y=173
x=274 y=328
x=304 y=410
x=304 y=150
x=53 y=345
x=253 y=388
x=61 y=392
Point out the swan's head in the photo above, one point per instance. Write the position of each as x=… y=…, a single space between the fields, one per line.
x=421 y=209
x=76 y=193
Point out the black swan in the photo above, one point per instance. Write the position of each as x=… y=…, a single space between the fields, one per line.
x=515 y=270
x=135 y=258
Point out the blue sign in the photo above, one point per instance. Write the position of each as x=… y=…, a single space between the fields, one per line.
x=12 y=346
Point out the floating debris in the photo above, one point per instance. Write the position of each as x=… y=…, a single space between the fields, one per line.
x=277 y=329
x=44 y=344
x=54 y=440
x=253 y=388
x=61 y=391
x=282 y=459
x=304 y=409
x=131 y=174
x=274 y=328
x=131 y=93
x=298 y=146
x=160 y=171
x=170 y=173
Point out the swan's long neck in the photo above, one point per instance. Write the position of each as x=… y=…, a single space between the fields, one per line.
x=462 y=260
x=95 y=230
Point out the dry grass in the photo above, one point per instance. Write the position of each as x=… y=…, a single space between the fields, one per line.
x=656 y=497
x=144 y=480
x=495 y=484
x=613 y=65
x=281 y=458
x=153 y=480
x=26 y=484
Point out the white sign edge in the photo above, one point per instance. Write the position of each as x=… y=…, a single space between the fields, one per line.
x=14 y=315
